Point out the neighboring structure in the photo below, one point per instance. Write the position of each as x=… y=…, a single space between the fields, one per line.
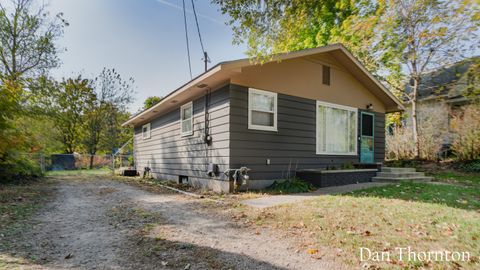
x=449 y=84
x=443 y=91
x=306 y=109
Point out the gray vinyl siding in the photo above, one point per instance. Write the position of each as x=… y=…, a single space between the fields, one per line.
x=169 y=154
x=379 y=137
x=292 y=147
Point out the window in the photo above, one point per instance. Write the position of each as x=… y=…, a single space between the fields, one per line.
x=146 y=131
x=186 y=119
x=367 y=124
x=326 y=75
x=336 y=129
x=262 y=110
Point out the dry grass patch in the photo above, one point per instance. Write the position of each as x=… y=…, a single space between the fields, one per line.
x=344 y=224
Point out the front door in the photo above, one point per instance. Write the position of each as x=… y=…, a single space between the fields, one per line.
x=367 y=149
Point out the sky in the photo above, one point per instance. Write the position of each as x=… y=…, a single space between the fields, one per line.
x=143 y=39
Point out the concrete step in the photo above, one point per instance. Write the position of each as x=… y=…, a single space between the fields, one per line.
x=397 y=170
x=400 y=174
x=396 y=179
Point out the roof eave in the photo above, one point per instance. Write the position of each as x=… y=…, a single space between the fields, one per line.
x=167 y=98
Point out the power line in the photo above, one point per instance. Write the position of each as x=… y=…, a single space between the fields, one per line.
x=186 y=38
x=198 y=27
x=205 y=55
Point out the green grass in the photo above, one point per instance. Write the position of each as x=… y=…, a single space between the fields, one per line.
x=19 y=201
x=458 y=177
x=337 y=226
x=82 y=172
x=465 y=197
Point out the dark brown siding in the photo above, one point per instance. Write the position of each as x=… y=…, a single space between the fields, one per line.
x=292 y=147
x=169 y=154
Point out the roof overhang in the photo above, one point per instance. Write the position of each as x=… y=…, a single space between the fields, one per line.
x=221 y=74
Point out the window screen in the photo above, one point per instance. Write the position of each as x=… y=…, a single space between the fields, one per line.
x=336 y=129
x=186 y=119
x=367 y=124
x=262 y=110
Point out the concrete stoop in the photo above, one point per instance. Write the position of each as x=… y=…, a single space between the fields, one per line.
x=391 y=174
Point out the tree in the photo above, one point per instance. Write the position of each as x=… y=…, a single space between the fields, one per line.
x=27 y=37
x=68 y=110
x=394 y=39
x=150 y=101
x=426 y=34
x=112 y=96
x=27 y=50
x=269 y=26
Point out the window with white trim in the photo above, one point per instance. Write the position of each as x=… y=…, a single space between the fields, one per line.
x=336 y=129
x=186 y=119
x=146 y=131
x=262 y=110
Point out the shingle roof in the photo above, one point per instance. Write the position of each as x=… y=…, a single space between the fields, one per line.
x=447 y=81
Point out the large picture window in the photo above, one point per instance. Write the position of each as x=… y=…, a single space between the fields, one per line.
x=336 y=129
x=262 y=110
x=186 y=119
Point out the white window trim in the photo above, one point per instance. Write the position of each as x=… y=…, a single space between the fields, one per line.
x=275 y=111
x=147 y=135
x=337 y=106
x=187 y=133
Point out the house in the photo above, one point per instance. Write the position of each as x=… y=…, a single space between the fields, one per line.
x=306 y=109
x=450 y=84
x=442 y=92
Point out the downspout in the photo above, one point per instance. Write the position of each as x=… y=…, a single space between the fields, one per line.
x=206 y=137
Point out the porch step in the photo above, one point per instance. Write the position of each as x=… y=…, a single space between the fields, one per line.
x=400 y=174
x=392 y=174
x=397 y=170
x=398 y=179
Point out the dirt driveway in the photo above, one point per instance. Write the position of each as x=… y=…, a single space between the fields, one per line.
x=106 y=224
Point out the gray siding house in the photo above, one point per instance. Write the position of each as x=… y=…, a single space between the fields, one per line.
x=307 y=109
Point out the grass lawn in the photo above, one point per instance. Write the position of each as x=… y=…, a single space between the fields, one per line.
x=426 y=217
x=82 y=172
x=458 y=177
x=17 y=203
x=466 y=197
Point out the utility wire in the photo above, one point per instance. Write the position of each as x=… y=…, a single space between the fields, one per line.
x=186 y=38
x=198 y=27
x=205 y=55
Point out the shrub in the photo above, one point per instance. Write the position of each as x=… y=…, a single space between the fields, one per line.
x=471 y=166
x=294 y=185
x=17 y=169
x=399 y=145
x=432 y=133
x=465 y=126
x=432 y=129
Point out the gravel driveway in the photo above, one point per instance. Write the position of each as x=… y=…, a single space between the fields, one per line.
x=106 y=224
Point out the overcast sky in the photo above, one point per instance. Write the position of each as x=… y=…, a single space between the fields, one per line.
x=143 y=39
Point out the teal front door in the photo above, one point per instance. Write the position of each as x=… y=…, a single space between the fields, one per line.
x=367 y=149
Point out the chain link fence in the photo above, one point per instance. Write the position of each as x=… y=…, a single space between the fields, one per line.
x=72 y=162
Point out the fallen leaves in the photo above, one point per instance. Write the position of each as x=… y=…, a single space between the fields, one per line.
x=367 y=233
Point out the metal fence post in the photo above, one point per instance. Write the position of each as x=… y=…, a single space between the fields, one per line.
x=113 y=164
x=42 y=162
